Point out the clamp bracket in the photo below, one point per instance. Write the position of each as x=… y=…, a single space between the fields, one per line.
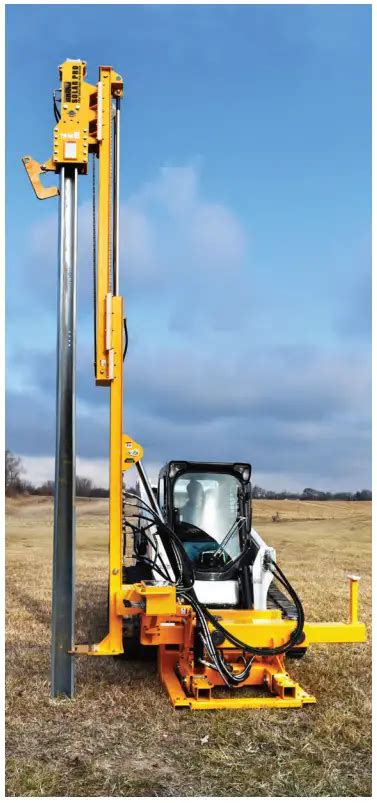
x=35 y=170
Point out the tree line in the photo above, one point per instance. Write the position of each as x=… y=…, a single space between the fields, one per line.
x=311 y=494
x=15 y=484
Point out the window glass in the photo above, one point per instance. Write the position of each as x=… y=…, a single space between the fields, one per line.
x=210 y=502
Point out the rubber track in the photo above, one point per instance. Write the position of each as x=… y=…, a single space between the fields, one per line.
x=276 y=599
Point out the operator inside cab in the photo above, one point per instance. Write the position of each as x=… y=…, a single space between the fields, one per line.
x=207 y=511
x=192 y=511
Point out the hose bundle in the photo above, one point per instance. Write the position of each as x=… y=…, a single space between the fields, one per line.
x=184 y=581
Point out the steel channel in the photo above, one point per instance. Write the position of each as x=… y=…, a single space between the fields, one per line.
x=63 y=585
x=116 y=198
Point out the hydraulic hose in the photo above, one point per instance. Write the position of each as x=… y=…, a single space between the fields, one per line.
x=294 y=638
x=185 y=578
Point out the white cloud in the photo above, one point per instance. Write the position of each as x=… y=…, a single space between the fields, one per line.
x=137 y=246
x=217 y=237
x=296 y=412
x=177 y=189
x=38 y=469
x=168 y=228
x=41 y=469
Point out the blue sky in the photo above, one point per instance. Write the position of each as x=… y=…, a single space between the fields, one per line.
x=245 y=242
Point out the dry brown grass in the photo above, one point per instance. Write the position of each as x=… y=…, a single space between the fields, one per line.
x=120 y=736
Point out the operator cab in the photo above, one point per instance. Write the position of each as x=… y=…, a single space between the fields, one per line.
x=208 y=505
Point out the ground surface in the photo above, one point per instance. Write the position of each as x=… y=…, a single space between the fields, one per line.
x=120 y=736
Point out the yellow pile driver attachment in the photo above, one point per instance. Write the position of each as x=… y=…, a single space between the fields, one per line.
x=206 y=651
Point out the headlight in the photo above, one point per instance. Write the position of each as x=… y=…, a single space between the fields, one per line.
x=175 y=467
x=244 y=469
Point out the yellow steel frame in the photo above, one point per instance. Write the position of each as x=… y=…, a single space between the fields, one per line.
x=104 y=350
x=86 y=125
x=169 y=625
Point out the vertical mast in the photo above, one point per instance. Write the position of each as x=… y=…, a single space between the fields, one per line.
x=85 y=124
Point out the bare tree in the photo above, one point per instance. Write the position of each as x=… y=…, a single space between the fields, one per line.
x=84 y=486
x=46 y=489
x=13 y=471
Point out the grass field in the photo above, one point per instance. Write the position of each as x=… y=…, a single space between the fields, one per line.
x=120 y=736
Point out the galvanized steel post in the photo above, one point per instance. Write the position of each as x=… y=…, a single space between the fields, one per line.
x=63 y=583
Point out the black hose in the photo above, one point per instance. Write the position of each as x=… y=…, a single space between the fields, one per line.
x=229 y=678
x=57 y=114
x=294 y=638
x=204 y=615
x=125 y=338
x=136 y=529
x=176 y=553
x=150 y=563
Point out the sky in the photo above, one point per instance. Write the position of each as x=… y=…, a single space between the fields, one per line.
x=245 y=238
